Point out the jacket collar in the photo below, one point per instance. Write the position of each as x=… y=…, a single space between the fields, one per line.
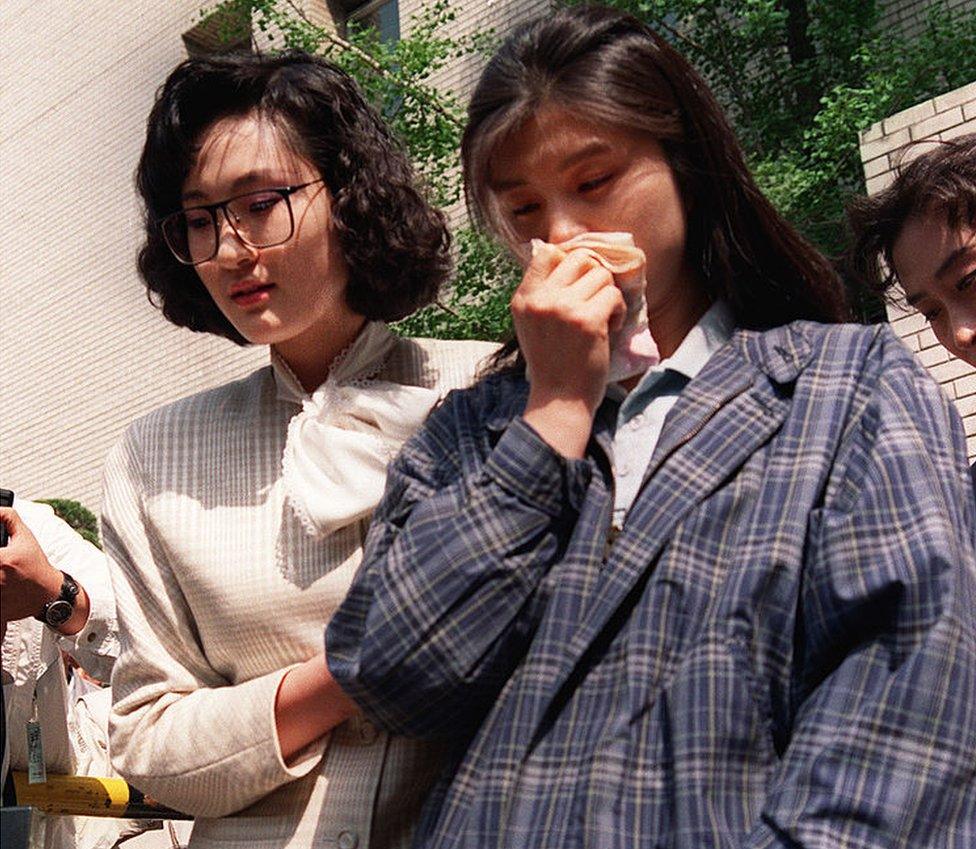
x=744 y=390
x=780 y=354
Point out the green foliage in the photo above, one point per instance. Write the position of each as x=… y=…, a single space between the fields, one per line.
x=77 y=515
x=799 y=78
x=812 y=181
x=477 y=305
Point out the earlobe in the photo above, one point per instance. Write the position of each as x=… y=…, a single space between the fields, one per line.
x=964 y=337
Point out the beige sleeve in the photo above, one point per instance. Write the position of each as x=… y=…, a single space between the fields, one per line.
x=178 y=730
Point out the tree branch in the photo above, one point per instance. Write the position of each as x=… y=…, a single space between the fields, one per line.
x=802 y=55
x=338 y=41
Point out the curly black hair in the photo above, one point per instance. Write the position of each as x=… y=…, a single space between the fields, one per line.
x=934 y=178
x=395 y=244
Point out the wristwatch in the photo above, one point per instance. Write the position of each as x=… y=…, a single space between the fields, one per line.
x=59 y=610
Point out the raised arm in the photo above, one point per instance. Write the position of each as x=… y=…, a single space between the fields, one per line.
x=452 y=584
x=91 y=635
x=41 y=551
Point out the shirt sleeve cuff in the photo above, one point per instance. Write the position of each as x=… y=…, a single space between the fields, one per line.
x=526 y=466
x=96 y=645
x=305 y=759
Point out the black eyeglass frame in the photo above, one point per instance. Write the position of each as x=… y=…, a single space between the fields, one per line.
x=285 y=191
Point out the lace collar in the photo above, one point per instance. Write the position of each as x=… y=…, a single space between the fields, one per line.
x=347 y=431
x=360 y=360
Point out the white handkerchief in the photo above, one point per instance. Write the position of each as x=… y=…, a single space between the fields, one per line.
x=632 y=348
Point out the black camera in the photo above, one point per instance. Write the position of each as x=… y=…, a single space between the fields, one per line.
x=6 y=500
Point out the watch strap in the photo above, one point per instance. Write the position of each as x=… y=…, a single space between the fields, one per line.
x=58 y=610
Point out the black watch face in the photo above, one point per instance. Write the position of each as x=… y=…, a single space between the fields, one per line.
x=58 y=612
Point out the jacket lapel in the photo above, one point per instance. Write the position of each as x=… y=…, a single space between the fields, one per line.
x=722 y=418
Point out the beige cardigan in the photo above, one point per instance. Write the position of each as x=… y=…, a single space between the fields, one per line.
x=219 y=591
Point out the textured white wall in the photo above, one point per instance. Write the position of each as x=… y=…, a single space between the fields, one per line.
x=947 y=116
x=82 y=353
x=474 y=16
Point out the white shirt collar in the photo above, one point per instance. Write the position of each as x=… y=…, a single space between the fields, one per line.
x=709 y=334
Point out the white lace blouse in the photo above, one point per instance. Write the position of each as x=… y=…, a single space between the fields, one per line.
x=234 y=521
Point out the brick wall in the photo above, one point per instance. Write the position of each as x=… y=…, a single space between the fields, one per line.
x=949 y=115
x=909 y=16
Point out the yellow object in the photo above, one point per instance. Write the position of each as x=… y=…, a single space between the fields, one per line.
x=89 y=796
x=77 y=795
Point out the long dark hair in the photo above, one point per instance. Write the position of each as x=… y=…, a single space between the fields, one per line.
x=610 y=68
x=395 y=244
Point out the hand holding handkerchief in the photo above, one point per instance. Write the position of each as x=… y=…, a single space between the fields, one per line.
x=632 y=348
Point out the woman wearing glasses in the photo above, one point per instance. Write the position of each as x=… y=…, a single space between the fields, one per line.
x=281 y=213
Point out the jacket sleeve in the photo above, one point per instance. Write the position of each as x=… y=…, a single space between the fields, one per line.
x=883 y=745
x=451 y=586
x=96 y=645
x=178 y=730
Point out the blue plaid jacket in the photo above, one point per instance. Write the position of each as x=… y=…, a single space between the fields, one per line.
x=777 y=650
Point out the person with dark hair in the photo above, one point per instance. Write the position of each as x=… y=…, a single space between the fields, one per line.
x=920 y=234
x=719 y=593
x=279 y=212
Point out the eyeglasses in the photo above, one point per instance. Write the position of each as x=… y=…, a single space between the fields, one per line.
x=260 y=219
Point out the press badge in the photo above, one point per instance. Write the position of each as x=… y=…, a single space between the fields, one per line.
x=36 y=773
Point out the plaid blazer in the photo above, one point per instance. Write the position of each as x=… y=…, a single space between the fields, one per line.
x=777 y=650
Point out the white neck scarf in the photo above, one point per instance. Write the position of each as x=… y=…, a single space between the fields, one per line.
x=348 y=430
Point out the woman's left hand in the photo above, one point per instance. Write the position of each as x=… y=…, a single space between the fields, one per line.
x=309 y=704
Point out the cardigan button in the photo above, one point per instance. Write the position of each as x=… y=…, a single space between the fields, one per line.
x=368 y=733
x=348 y=840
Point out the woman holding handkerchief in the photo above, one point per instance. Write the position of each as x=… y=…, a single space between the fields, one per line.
x=696 y=568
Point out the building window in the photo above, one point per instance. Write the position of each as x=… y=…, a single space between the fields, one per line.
x=384 y=15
